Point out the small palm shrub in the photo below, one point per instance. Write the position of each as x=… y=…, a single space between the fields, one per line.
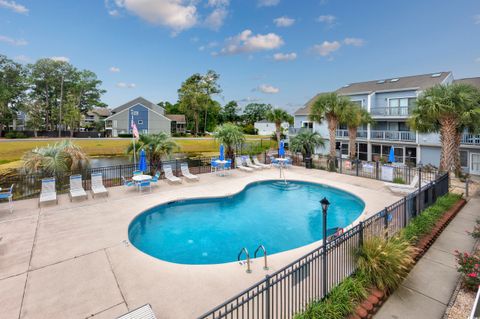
x=384 y=263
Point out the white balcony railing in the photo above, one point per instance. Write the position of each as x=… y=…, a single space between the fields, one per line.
x=470 y=139
x=296 y=130
x=391 y=111
x=344 y=134
x=405 y=136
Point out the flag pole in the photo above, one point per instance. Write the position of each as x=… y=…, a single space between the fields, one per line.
x=133 y=141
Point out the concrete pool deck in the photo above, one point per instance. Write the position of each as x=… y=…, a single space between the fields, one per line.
x=73 y=260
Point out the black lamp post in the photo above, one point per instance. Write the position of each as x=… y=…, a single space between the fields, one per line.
x=325 y=203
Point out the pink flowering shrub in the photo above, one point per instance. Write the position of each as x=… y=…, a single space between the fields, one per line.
x=469 y=266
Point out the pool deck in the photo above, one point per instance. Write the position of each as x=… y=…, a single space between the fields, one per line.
x=73 y=260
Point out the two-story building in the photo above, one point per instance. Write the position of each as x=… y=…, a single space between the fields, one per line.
x=95 y=115
x=390 y=102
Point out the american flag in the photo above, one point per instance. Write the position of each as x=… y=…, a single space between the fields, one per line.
x=135 y=130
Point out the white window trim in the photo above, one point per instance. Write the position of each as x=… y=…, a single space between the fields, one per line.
x=398 y=98
x=306 y=122
x=359 y=100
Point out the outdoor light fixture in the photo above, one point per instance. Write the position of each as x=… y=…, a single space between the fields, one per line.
x=325 y=203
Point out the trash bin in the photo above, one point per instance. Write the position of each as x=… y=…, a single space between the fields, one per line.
x=308 y=162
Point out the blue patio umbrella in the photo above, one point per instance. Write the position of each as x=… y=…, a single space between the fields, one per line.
x=391 y=156
x=281 y=150
x=142 y=163
x=222 y=153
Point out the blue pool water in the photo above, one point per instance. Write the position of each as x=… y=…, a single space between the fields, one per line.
x=212 y=231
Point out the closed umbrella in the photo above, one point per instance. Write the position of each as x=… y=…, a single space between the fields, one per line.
x=391 y=156
x=281 y=150
x=222 y=153
x=142 y=164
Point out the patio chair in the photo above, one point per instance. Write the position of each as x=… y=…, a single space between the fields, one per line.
x=143 y=312
x=144 y=184
x=8 y=194
x=248 y=163
x=167 y=169
x=76 y=187
x=240 y=166
x=213 y=165
x=257 y=162
x=187 y=174
x=48 y=192
x=228 y=165
x=127 y=183
x=137 y=173
x=274 y=161
x=155 y=178
x=97 y=185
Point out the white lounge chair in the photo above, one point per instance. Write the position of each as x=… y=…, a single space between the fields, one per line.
x=240 y=166
x=97 y=185
x=48 y=192
x=186 y=172
x=248 y=163
x=405 y=189
x=143 y=312
x=257 y=162
x=76 y=188
x=8 y=194
x=412 y=184
x=167 y=169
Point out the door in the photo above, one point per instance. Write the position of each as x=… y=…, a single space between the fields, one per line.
x=475 y=163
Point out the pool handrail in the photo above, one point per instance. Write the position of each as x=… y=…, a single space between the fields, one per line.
x=244 y=250
x=265 y=267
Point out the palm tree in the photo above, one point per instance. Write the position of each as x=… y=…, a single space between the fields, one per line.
x=156 y=146
x=450 y=110
x=354 y=117
x=56 y=159
x=306 y=142
x=330 y=106
x=230 y=135
x=278 y=116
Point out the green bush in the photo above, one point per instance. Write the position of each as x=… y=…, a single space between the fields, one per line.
x=384 y=263
x=424 y=223
x=125 y=135
x=249 y=129
x=15 y=134
x=398 y=180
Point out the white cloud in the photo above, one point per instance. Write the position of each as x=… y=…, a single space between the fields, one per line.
x=23 y=59
x=216 y=18
x=15 y=7
x=114 y=12
x=476 y=19
x=327 y=19
x=209 y=45
x=124 y=85
x=247 y=42
x=60 y=59
x=326 y=48
x=174 y=14
x=284 y=56
x=357 y=42
x=114 y=69
x=268 y=3
x=284 y=21
x=268 y=89
x=218 y=3
x=16 y=42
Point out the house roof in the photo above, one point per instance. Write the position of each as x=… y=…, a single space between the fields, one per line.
x=414 y=82
x=418 y=82
x=472 y=81
x=138 y=100
x=179 y=118
x=100 y=111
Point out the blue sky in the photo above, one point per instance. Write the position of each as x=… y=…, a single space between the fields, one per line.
x=273 y=51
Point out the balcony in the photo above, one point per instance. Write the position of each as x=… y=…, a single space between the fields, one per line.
x=470 y=139
x=344 y=134
x=391 y=111
x=404 y=136
x=296 y=130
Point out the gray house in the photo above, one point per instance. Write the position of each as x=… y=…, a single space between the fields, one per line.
x=148 y=117
x=390 y=102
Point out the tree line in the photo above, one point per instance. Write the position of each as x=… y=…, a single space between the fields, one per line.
x=53 y=94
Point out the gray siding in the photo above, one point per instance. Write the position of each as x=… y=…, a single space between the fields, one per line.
x=430 y=155
x=158 y=123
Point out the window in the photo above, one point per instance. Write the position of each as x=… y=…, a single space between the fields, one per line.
x=358 y=102
x=134 y=113
x=362 y=151
x=463 y=158
x=140 y=122
x=307 y=124
x=401 y=106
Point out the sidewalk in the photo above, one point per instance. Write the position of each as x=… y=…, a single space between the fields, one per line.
x=426 y=291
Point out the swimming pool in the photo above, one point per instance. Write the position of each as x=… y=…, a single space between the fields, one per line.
x=211 y=231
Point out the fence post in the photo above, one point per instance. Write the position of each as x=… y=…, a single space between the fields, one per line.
x=466 y=187
x=409 y=175
x=419 y=208
x=377 y=165
x=405 y=217
x=267 y=296
x=357 y=162
x=385 y=222
x=324 y=269
x=360 y=234
x=340 y=162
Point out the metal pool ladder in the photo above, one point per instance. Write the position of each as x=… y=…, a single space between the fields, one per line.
x=244 y=250
x=265 y=267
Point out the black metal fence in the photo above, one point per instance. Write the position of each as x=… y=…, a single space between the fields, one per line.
x=29 y=185
x=289 y=290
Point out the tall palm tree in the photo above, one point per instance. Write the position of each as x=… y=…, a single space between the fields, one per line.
x=306 y=142
x=354 y=117
x=448 y=109
x=156 y=146
x=230 y=135
x=278 y=116
x=56 y=159
x=330 y=106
